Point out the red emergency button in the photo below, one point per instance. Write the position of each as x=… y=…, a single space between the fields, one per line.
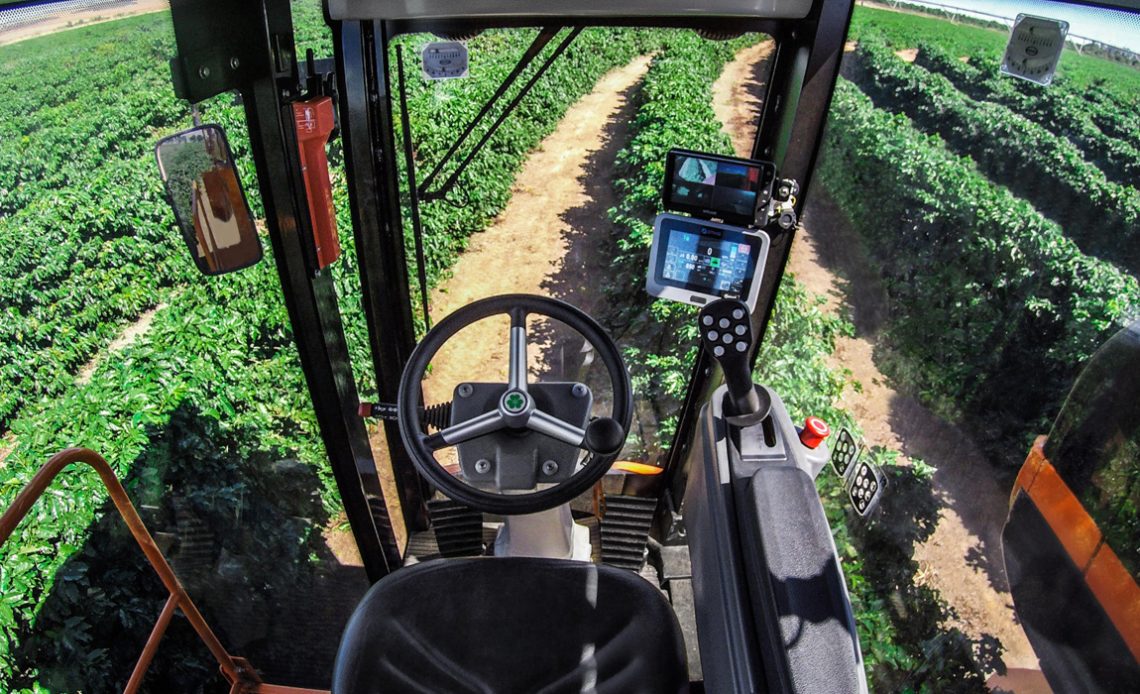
x=814 y=432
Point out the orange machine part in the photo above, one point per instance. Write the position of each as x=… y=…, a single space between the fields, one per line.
x=314 y=120
x=1078 y=533
x=635 y=468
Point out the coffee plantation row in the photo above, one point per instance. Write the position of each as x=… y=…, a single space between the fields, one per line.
x=1047 y=170
x=1064 y=111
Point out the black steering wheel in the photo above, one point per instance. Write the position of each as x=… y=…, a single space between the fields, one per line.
x=515 y=412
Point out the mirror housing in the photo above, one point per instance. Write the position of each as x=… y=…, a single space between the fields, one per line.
x=209 y=204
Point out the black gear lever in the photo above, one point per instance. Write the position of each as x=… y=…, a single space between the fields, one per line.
x=726 y=333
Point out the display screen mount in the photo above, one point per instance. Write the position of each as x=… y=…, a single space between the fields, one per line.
x=695 y=261
x=710 y=186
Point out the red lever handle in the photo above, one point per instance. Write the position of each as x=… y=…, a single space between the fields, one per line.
x=314 y=120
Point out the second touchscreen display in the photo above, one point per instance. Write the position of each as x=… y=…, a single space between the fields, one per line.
x=718 y=186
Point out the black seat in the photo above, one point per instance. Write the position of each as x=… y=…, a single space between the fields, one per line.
x=511 y=625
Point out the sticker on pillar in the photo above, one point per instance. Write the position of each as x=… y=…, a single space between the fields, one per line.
x=444 y=60
x=1034 y=49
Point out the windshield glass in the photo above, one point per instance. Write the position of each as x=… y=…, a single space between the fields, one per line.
x=969 y=240
x=561 y=201
x=979 y=231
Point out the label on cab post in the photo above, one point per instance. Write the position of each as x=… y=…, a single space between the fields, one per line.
x=1034 y=49
x=445 y=60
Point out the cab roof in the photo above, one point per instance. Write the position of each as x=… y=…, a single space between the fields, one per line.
x=540 y=10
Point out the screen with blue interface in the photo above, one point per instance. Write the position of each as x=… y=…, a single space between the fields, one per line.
x=708 y=260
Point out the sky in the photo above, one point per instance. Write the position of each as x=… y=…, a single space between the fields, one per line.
x=1114 y=27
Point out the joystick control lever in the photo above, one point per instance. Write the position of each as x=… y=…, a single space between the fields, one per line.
x=726 y=333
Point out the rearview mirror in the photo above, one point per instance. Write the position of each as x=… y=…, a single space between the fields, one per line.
x=209 y=204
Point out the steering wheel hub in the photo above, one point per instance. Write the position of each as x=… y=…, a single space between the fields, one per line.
x=515 y=403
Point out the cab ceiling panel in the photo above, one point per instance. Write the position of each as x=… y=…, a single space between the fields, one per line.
x=543 y=11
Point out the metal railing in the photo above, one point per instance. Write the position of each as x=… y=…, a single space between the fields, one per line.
x=238 y=672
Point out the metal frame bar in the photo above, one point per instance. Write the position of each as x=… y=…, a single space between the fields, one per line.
x=255 y=53
x=454 y=177
x=540 y=40
x=791 y=127
x=373 y=192
x=242 y=676
x=311 y=298
x=236 y=671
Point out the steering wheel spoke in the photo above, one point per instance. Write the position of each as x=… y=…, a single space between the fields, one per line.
x=556 y=429
x=485 y=423
x=516 y=375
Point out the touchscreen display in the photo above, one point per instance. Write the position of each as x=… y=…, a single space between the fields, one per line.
x=706 y=263
x=707 y=259
x=723 y=187
x=696 y=261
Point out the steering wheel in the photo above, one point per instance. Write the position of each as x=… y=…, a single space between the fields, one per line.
x=515 y=414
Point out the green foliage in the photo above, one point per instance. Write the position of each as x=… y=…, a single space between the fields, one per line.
x=993 y=307
x=908 y=30
x=674 y=110
x=1047 y=170
x=83 y=221
x=1064 y=111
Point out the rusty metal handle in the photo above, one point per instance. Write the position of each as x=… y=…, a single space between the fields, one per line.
x=239 y=675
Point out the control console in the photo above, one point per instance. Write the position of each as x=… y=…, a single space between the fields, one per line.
x=726 y=333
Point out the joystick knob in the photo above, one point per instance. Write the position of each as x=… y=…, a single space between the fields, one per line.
x=726 y=333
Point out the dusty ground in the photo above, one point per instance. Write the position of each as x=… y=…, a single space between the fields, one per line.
x=131 y=333
x=908 y=54
x=533 y=247
x=528 y=243
x=962 y=559
x=70 y=20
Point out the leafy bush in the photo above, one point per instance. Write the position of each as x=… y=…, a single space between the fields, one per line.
x=993 y=307
x=1058 y=108
x=1047 y=170
x=674 y=110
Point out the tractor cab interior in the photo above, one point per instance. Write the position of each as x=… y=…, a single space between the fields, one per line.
x=518 y=463
x=529 y=511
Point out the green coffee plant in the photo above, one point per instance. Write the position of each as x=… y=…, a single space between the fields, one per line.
x=993 y=307
x=1059 y=108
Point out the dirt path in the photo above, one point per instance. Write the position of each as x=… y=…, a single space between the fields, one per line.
x=962 y=559
x=130 y=333
x=534 y=246
x=70 y=20
x=528 y=243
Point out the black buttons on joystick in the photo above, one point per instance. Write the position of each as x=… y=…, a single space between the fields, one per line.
x=727 y=334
